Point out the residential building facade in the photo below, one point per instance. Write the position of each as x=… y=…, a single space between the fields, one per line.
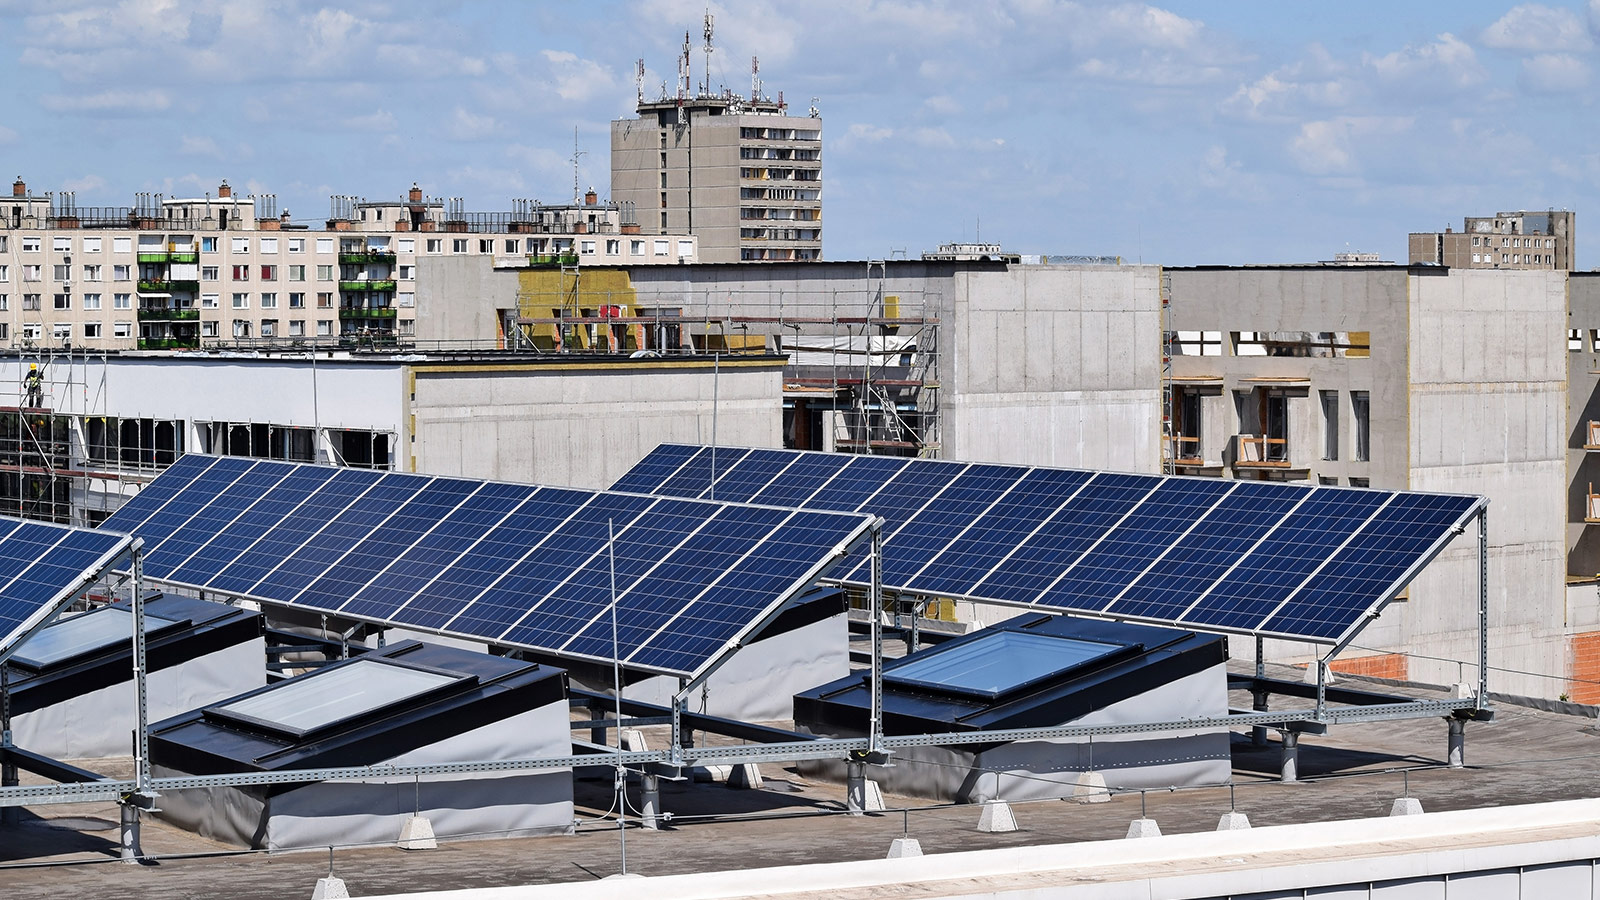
x=1505 y=240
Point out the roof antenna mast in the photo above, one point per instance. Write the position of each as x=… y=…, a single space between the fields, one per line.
x=638 y=79
x=755 y=78
x=577 y=154
x=710 y=29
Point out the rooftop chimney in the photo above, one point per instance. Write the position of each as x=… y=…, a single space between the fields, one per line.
x=19 y=188
x=416 y=193
x=590 y=198
x=224 y=192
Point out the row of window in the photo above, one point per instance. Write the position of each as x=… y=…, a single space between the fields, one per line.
x=775 y=193
x=270 y=328
x=241 y=300
x=241 y=328
x=1488 y=241
x=1516 y=258
x=185 y=244
x=63 y=273
x=778 y=134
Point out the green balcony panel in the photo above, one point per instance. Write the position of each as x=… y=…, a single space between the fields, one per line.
x=155 y=258
x=378 y=287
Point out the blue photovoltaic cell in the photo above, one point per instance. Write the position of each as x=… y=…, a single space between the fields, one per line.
x=153 y=496
x=995 y=534
x=408 y=524
x=808 y=474
x=1126 y=550
x=656 y=467
x=1058 y=543
x=931 y=530
x=746 y=479
x=430 y=557
x=504 y=563
x=1364 y=572
x=267 y=510
x=1283 y=559
x=39 y=564
x=863 y=477
x=695 y=476
x=1200 y=557
x=901 y=497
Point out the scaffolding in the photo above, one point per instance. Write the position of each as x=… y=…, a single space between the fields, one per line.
x=864 y=365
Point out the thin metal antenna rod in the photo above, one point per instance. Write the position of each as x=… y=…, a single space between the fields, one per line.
x=716 y=379
x=621 y=782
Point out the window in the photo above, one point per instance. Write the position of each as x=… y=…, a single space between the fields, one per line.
x=241 y=273
x=32 y=273
x=241 y=301
x=1575 y=340
x=485 y=246
x=5 y=302
x=124 y=273
x=241 y=245
x=92 y=245
x=208 y=329
x=406 y=245
x=209 y=273
x=324 y=273
x=122 y=301
x=32 y=244
x=210 y=301
x=408 y=326
x=1360 y=410
x=241 y=328
x=122 y=329
x=5 y=274
x=91 y=301
x=61 y=245
x=613 y=247
x=30 y=302
x=62 y=301
x=685 y=248
x=91 y=273
x=269 y=327
x=459 y=245
x=269 y=301
x=405 y=299
x=324 y=327
x=61 y=331
x=511 y=245
x=297 y=245
x=1330 y=425
x=297 y=708
x=661 y=248
x=1000 y=663
x=297 y=301
x=408 y=273
x=588 y=248
x=1360 y=482
x=5 y=331
x=297 y=328
x=269 y=273
x=91 y=330
x=61 y=273
x=297 y=273
x=269 y=245
x=325 y=300
x=324 y=245
x=636 y=248
x=434 y=245
x=207 y=245
x=31 y=331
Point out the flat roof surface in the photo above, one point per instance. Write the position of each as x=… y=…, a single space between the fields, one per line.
x=1526 y=756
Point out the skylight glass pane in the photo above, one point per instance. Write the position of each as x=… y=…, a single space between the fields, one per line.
x=80 y=634
x=315 y=700
x=1000 y=662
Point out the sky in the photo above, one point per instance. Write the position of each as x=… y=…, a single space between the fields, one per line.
x=1183 y=133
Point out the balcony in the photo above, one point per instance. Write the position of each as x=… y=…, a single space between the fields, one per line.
x=190 y=343
x=160 y=314
x=366 y=312
x=541 y=261
x=183 y=256
x=155 y=258
x=375 y=287
x=168 y=287
x=379 y=257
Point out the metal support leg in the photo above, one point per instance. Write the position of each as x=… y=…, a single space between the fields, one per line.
x=1290 y=772
x=855 y=787
x=875 y=726
x=597 y=734
x=1258 y=734
x=130 y=849
x=1458 y=742
x=650 y=800
x=1483 y=607
x=9 y=776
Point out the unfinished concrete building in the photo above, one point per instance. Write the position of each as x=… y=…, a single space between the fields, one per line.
x=1395 y=377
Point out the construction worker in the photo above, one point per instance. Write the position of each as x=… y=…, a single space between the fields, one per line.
x=33 y=387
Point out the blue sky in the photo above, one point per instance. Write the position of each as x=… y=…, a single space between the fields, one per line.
x=1182 y=133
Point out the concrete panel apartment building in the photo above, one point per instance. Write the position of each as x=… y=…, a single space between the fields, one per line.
x=1505 y=240
x=174 y=274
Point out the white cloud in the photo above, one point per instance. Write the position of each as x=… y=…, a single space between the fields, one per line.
x=933 y=138
x=943 y=105
x=577 y=79
x=199 y=146
x=1554 y=73
x=1317 y=81
x=466 y=126
x=1536 y=28
x=1447 y=62
x=126 y=102
x=377 y=120
x=1326 y=147
x=869 y=133
x=7 y=136
x=84 y=185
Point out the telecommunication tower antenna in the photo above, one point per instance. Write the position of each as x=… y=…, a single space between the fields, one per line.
x=755 y=78
x=638 y=79
x=683 y=69
x=576 y=155
x=709 y=30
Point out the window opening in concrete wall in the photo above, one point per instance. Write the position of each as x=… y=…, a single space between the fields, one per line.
x=1360 y=410
x=362 y=449
x=1187 y=428
x=140 y=443
x=1318 y=344
x=1330 y=425
x=259 y=440
x=1575 y=340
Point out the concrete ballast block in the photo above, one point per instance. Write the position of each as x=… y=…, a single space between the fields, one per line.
x=1233 y=821
x=1090 y=787
x=997 y=817
x=417 y=834
x=1143 y=828
x=329 y=888
x=872 y=797
x=633 y=741
x=904 y=846
x=1406 y=806
x=748 y=776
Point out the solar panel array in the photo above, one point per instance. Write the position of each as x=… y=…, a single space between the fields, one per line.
x=42 y=568
x=512 y=564
x=1251 y=557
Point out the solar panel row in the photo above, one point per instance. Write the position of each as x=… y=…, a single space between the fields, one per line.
x=1254 y=557
x=41 y=565
x=519 y=565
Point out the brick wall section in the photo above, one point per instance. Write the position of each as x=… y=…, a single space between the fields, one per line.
x=1584 y=668
x=1384 y=665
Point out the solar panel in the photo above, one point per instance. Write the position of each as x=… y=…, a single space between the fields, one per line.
x=1262 y=558
x=516 y=565
x=43 y=567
